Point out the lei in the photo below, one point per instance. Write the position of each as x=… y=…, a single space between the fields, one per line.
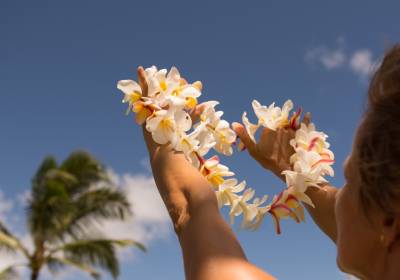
x=165 y=112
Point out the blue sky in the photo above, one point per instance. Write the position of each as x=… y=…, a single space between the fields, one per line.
x=60 y=61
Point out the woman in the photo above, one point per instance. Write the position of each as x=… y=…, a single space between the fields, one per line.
x=362 y=218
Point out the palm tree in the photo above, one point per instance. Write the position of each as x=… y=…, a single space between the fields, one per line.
x=64 y=214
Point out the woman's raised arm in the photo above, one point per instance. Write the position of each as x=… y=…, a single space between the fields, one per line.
x=273 y=152
x=210 y=248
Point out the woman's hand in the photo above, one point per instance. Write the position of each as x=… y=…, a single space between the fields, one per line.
x=272 y=150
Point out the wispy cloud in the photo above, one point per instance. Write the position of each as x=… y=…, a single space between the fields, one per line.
x=150 y=218
x=6 y=206
x=328 y=57
x=6 y=216
x=361 y=62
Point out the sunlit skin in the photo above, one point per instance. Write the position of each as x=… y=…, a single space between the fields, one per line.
x=368 y=243
x=367 y=247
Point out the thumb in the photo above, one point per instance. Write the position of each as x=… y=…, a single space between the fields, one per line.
x=307 y=118
x=244 y=136
x=142 y=80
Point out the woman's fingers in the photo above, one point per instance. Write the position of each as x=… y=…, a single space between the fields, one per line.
x=266 y=135
x=196 y=112
x=307 y=118
x=142 y=80
x=244 y=136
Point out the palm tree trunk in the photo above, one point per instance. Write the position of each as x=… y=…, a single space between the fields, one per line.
x=34 y=274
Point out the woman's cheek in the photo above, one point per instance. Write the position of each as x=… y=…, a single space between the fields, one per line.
x=343 y=225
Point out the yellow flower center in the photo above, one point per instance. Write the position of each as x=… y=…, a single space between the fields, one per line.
x=216 y=180
x=167 y=124
x=137 y=107
x=186 y=142
x=135 y=96
x=191 y=102
x=163 y=85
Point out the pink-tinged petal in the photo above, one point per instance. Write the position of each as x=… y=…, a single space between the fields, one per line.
x=329 y=161
x=295 y=120
x=276 y=222
x=313 y=143
x=300 y=212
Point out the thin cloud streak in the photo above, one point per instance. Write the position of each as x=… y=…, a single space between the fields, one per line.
x=360 y=62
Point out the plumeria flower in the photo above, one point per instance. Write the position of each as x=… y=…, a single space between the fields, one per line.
x=186 y=143
x=240 y=206
x=191 y=94
x=205 y=138
x=309 y=139
x=143 y=109
x=308 y=160
x=253 y=213
x=162 y=126
x=215 y=172
x=132 y=92
x=209 y=115
x=224 y=137
x=191 y=146
x=301 y=181
x=250 y=127
x=185 y=95
x=281 y=208
x=271 y=116
x=157 y=80
x=227 y=192
x=293 y=199
x=170 y=89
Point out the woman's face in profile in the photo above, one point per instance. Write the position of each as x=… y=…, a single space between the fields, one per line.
x=358 y=243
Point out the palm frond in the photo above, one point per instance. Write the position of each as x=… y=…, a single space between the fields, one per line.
x=47 y=210
x=47 y=164
x=95 y=206
x=8 y=273
x=85 y=168
x=56 y=263
x=96 y=252
x=9 y=242
x=100 y=253
x=129 y=243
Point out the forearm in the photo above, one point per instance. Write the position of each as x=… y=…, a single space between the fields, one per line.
x=324 y=212
x=183 y=189
x=209 y=246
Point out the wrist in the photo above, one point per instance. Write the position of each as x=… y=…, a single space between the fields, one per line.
x=276 y=170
